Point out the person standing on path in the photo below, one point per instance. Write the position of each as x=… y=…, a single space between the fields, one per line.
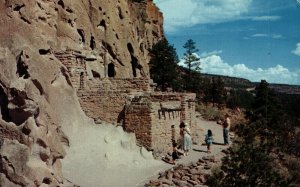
x=187 y=140
x=226 y=127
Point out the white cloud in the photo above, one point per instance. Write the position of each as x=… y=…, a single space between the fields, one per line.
x=260 y=35
x=265 y=18
x=179 y=13
x=297 y=50
x=277 y=36
x=214 y=64
x=205 y=54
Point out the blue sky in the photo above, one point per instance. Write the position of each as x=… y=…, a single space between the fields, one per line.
x=253 y=39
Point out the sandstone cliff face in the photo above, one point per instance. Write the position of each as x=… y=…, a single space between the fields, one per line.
x=118 y=32
x=104 y=32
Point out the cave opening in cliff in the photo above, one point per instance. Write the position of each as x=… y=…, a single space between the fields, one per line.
x=142 y=47
x=92 y=43
x=18 y=7
x=47 y=180
x=134 y=65
x=102 y=24
x=134 y=60
x=81 y=33
x=96 y=74
x=4 y=106
x=120 y=13
x=111 y=70
x=22 y=67
x=44 y=51
x=61 y=3
x=130 y=48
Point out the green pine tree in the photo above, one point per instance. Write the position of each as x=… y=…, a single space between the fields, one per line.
x=192 y=76
x=190 y=58
x=163 y=65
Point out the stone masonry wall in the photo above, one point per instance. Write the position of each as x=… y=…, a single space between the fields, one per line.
x=154 y=117
x=103 y=105
x=105 y=99
x=188 y=116
x=100 y=98
x=117 y=84
x=188 y=106
x=160 y=120
x=138 y=120
x=74 y=63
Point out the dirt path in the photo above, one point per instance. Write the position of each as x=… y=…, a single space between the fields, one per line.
x=200 y=150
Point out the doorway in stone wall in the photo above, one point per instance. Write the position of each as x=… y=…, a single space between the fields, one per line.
x=111 y=70
x=173 y=134
x=81 y=81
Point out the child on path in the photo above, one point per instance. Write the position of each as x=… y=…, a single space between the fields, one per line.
x=209 y=140
x=181 y=137
x=174 y=155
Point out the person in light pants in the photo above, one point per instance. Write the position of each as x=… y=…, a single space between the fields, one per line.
x=226 y=127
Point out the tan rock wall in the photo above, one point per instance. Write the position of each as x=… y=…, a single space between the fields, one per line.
x=121 y=31
x=44 y=43
x=124 y=85
x=31 y=139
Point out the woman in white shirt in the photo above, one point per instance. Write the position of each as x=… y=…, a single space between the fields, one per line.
x=187 y=140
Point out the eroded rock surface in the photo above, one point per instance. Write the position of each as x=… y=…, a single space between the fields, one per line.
x=33 y=137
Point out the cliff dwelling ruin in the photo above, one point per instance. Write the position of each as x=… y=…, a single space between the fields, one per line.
x=58 y=52
x=130 y=102
x=112 y=81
